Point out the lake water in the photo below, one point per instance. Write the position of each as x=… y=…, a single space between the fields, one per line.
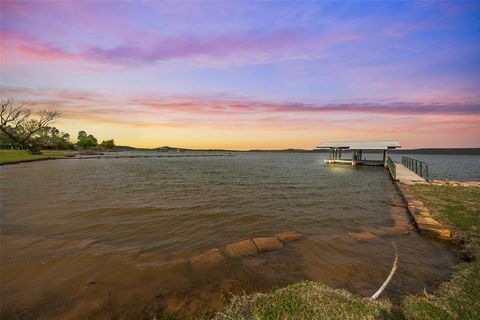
x=451 y=167
x=100 y=238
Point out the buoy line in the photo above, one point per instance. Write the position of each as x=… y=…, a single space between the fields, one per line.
x=387 y=281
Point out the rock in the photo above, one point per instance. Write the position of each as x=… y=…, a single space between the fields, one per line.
x=404 y=224
x=362 y=236
x=435 y=231
x=267 y=244
x=428 y=220
x=416 y=212
x=207 y=260
x=289 y=236
x=380 y=232
x=253 y=263
x=397 y=229
x=416 y=203
x=399 y=216
x=396 y=204
x=455 y=183
x=90 y=283
x=241 y=248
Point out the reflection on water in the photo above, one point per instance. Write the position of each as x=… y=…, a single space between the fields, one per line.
x=103 y=237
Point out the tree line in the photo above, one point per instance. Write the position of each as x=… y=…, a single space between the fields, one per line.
x=20 y=128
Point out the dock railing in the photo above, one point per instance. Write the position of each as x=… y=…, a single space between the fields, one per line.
x=392 y=167
x=417 y=166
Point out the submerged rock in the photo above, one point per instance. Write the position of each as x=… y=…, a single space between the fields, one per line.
x=289 y=236
x=207 y=260
x=241 y=248
x=380 y=232
x=253 y=262
x=398 y=229
x=362 y=236
x=267 y=244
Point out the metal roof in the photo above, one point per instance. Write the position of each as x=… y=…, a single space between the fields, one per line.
x=361 y=145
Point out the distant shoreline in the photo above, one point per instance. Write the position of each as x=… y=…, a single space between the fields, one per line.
x=444 y=151
x=61 y=155
x=22 y=156
x=33 y=160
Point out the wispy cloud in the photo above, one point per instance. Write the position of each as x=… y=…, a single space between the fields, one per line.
x=17 y=48
x=198 y=110
x=253 y=45
x=377 y=70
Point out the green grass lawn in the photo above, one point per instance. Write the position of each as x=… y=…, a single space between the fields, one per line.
x=458 y=207
x=15 y=156
x=459 y=298
x=306 y=300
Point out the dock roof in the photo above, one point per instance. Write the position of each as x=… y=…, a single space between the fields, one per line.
x=360 y=145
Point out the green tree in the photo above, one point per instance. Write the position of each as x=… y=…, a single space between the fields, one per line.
x=82 y=134
x=5 y=141
x=52 y=138
x=85 y=141
x=21 y=128
x=108 y=144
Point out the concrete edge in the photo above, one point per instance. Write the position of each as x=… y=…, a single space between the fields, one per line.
x=422 y=217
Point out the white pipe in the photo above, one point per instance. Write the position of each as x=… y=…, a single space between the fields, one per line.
x=385 y=284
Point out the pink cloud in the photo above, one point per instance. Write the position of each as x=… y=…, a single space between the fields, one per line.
x=215 y=103
x=256 y=45
x=228 y=106
x=16 y=48
x=371 y=120
x=212 y=46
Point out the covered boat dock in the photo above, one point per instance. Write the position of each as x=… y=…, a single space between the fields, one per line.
x=337 y=148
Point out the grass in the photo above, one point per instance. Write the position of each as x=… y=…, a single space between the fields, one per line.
x=459 y=298
x=458 y=207
x=16 y=156
x=306 y=300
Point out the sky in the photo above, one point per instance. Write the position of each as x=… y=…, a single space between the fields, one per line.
x=248 y=75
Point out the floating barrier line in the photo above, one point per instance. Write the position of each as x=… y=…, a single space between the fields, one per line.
x=387 y=281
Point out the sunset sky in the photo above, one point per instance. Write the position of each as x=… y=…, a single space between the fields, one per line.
x=249 y=75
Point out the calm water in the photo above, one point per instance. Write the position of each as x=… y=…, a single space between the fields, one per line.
x=99 y=238
x=451 y=167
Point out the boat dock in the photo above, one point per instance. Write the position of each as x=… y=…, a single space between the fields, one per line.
x=410 y=171
x=407 y=176
x=336 y=150
x=413 y=171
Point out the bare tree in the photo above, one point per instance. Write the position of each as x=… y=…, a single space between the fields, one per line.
x=16 y=123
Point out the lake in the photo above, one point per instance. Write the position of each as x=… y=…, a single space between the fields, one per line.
x=100 y=238
x=451 y=167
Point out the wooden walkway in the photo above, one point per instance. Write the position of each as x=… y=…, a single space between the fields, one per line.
x=407 y=176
